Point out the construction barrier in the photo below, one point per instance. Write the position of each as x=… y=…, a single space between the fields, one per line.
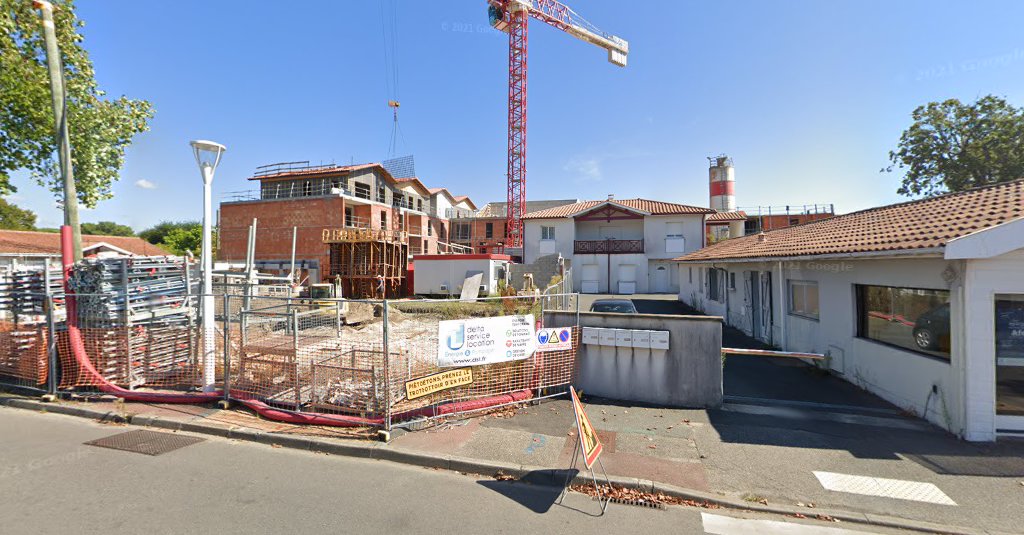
x=377 y=363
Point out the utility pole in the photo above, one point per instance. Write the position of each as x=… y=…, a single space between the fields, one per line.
x=61 y=124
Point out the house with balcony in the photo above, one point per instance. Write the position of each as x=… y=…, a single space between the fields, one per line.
x=313 y=199
x=617 y=246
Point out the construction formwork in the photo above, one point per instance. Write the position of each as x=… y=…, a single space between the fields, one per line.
x=364 y=260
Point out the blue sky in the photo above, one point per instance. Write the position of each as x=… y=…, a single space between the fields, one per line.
x=806 y=96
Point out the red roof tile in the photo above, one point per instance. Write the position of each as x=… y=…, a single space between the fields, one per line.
x=727 y=216
x=31 y=242
x=914 y=225
x=642 y=205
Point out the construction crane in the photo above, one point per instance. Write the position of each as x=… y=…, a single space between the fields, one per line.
x=512 y=17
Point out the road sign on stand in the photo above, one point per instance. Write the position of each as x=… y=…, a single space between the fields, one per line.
x=590 y=445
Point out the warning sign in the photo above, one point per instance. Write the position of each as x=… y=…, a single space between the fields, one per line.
x=588 y=435
x=558 y=339
x=437 y=382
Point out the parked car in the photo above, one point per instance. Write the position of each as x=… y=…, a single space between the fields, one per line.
x=931 y=330
x=620 y=306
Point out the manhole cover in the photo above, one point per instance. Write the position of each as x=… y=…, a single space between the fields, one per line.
x=145 y=442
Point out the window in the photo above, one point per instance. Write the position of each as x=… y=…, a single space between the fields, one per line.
x=691 y=274
x=803 y=299
x=307 y=188
x=732 y=281
x=382 y=194
x=716 y=285
x=489 y=231
x=430 y=228
x=362 y=190
x=462 y=231
x=419 y=204
x=401 y=221
x=908 y=318
x=348 y=217
x=674 y=241
x=547 y=233
x=383 y=219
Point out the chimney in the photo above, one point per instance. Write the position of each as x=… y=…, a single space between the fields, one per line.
x=762 y=237
x=611 y=196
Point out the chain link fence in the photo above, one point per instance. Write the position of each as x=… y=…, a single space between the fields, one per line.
x=328 y=361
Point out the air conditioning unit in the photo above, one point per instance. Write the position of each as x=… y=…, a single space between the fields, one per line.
x=444 y=287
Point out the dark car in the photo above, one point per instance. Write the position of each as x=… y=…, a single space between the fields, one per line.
x=621 y=306
x=931 y=331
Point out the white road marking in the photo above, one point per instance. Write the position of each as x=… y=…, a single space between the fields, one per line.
x=727 y=525
x=886 y=488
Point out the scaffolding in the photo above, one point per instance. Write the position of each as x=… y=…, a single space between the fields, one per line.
x=363 y=260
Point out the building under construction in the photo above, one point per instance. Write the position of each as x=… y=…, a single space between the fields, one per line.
x=368 y=262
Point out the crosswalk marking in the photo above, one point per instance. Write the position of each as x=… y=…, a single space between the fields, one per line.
x=886 y=488
x=727 y=525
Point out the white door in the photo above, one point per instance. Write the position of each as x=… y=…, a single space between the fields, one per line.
x=627 y=278
x=659 y=282
x=1009 y=337
x=591 y=281
x=765 y=295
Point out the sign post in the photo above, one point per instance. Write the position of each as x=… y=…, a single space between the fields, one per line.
x=590 y=446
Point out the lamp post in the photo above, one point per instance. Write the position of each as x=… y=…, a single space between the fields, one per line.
x=208 y=156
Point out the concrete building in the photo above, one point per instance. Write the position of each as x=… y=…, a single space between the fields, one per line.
x=445 y=274
x=329 y=207
x=921 y=303
x=484 y=230
x=615 y=246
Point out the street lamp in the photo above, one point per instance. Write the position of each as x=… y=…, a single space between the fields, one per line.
x=208 y=156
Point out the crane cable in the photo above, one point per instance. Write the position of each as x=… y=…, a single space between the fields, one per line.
x=391 y=80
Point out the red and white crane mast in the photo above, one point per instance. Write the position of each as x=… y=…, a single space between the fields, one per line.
x=512 y=17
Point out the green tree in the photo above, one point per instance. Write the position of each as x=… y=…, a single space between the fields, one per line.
x=100 y=128
x=953 y=146
x=157 y=233
x=15 y=218
x=183 y=239
x=107 y=228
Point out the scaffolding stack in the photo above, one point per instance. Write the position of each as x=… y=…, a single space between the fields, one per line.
x=138 y=317
x=371 y=264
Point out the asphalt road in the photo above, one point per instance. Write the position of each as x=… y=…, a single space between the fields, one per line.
x=52 y=483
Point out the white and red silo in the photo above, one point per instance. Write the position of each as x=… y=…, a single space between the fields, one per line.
x=722 y=183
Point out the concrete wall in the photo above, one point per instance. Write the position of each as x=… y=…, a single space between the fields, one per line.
x=532 y=242
x=655 y=228
x=689 y=374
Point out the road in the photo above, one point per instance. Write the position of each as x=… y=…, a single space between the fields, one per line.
x=53 y=483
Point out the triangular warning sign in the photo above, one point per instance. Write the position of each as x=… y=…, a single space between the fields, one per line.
x=589 y=442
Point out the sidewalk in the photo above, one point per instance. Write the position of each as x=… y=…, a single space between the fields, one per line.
x=761 y=458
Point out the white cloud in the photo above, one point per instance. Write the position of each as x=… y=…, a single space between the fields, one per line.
x=144 y=184
x=585 y=169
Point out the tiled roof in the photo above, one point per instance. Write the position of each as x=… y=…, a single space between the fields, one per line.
x=727 y=216
x=643 y=205
x=921 y=224
x=30 y=242
x=466 y=199
x=498 y=209
x=415 y=181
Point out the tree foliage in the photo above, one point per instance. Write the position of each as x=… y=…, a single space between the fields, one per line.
x=107 y=228
x=100 y=128
x=157 y=233
x=953 y=146
x=15 y=218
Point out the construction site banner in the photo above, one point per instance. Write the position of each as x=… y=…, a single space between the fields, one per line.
x=473 y=342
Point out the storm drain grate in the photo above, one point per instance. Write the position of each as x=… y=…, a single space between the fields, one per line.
x=145 y=442
x=637 y=503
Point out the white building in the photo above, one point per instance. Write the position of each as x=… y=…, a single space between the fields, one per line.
x=921 y=303
x=615 y=246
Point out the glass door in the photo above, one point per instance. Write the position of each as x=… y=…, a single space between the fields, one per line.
x=1009 y=324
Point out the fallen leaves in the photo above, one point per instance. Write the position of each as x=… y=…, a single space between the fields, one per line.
x=639 y=496
x=500 y=475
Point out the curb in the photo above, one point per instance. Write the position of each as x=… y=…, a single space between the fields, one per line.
x=535 y=474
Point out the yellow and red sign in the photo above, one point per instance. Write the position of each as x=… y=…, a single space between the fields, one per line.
x=589 y=442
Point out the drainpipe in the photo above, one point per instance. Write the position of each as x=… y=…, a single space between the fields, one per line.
x=782 y=307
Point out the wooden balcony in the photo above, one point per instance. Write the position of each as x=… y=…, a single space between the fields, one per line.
x=608 y=247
